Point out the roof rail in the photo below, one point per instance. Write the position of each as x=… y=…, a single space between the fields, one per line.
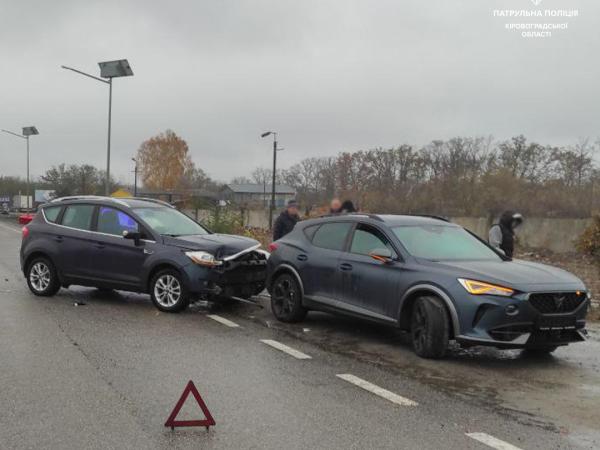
x=89 y=197
x=153 y=200
x=358 y=214
x=432 y=216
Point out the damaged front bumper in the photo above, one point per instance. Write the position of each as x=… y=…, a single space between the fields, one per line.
x=241 y=275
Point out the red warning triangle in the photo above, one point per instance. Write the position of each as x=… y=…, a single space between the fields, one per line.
x=207 y=422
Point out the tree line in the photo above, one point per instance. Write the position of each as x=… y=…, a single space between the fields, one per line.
x=471 y=176
x=460 y=176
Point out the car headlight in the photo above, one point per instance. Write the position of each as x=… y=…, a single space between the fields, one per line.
x=481 y=288
x=203 y=259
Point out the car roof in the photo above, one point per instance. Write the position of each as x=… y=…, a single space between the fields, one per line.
x=387 y=219
x=127 y=202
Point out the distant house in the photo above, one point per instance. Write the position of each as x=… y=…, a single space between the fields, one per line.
x=258 y=194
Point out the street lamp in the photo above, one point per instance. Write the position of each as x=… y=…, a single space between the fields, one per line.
x=27 y=131
x=109 y=70
x=135 y=171
x=275 y=150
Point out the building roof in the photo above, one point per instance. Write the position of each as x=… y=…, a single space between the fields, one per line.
x=260 y=188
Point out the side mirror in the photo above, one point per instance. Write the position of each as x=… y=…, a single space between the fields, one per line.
x=383 y=255
x=136 y=236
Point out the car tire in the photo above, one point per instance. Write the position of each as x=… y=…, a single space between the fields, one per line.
x=168 y=292
x=286 y=299
x=42 y=278
x=430 y=328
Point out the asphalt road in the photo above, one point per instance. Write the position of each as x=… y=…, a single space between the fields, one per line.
x=91 y=370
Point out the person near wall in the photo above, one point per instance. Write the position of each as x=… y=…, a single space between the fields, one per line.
x=502 y=234
x=348 y=207
x=335 y=207
x=286 y=221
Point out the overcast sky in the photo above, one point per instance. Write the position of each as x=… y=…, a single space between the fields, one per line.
x=329 y=76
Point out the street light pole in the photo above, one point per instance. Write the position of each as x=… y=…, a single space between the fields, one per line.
x=27 y=131
x=108 y=70
x=107 y=183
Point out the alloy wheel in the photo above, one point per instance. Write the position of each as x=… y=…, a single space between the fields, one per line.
x=40 y=276
x=419 y=328
x=167 y=290
x=284 y=296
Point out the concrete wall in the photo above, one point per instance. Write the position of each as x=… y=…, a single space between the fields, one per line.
x=558 y=235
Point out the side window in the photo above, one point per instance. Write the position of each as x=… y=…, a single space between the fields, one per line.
x=366 y=239
x=78 y=216
x=51 y=213
x=310 y=231
x=332 y=235
x=113 y=221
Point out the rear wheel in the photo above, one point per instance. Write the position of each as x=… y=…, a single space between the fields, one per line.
x=42 y=278
x=168 y=291
x=286 y=299
x=429 y=328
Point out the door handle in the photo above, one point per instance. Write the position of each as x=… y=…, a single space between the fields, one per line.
x=58 y=238
x=301 y=257
x=99 y=245
x=346 y=266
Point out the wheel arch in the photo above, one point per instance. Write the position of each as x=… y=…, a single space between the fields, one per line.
x=421 y=290
x=40 y=254
x=157 y=268
x=286 y=268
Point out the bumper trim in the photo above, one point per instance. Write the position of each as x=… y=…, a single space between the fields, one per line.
x=520 y=341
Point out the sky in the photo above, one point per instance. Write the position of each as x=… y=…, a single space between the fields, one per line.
x=328 y=76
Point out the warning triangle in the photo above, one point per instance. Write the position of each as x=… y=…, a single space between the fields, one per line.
x=206 y=422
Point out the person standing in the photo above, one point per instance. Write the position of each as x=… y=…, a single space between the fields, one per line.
x=335 y=207
x=286 y=221
x=502 y=235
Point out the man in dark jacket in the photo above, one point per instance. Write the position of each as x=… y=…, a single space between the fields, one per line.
x=502 y=234
x=286 y=220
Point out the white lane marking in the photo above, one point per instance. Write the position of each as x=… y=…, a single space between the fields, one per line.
x=10 y=228
x=284 y=348
x=223 y=320
x=492 y=442
x=384 y=393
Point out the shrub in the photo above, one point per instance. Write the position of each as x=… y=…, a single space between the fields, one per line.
x=589 y=241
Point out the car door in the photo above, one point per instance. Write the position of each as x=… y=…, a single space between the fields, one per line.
x=366 y=283
x=116 y=259
x=75 y=242
x=320 y=274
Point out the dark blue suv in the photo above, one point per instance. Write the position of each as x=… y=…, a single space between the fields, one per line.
x=427 y=276
x=139 y=245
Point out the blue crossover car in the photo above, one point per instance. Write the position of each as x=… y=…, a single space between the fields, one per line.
x=426 y=276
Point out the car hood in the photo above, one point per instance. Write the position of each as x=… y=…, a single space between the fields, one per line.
x=518 y=274
x=219 y=245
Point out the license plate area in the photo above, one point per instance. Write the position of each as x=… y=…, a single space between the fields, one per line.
x=550 y=323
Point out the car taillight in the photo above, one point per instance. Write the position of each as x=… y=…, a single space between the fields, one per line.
x=25 y=232
x=273 y=246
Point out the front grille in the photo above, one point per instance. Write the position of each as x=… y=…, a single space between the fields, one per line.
x=556 y=302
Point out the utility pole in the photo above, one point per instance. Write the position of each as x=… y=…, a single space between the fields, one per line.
x=135 y=172
x=275 y=150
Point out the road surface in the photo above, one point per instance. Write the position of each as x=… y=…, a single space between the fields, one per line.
x=86 y=369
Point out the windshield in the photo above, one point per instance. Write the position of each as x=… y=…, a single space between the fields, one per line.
x=443 y=243
x=169 y=221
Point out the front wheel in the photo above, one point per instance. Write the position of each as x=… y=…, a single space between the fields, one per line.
x=286 y=299
x=42 y=278
x=168 y=292
x=430 y=328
